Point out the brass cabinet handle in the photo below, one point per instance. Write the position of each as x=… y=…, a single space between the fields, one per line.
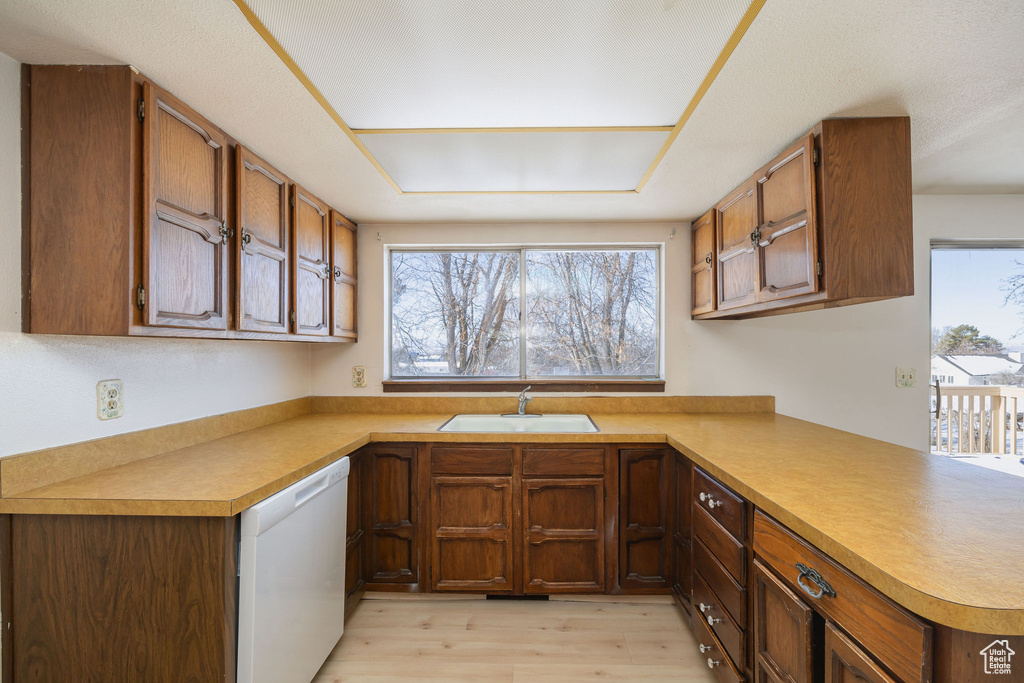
x=225 y=232
x=807 y=573
x=706 y=648
x=708 y=259
x=712 y=663
x=337 y=274
x=712 y=620
x=704 y=608
x=246 y=237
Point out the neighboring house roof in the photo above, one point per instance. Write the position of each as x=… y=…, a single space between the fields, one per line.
x=983 y=365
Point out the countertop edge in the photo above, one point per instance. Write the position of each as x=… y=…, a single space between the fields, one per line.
x=1005 y=621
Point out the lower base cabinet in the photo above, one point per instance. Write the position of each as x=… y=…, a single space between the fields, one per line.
x=119 y=598
x=563 y=536
x=472 y=534
x=783 y=631
x=811 y=614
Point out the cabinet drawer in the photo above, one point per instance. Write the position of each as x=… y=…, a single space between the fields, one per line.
x=730 y=552
x=730 y=594
x=711 y=651
x=897 y=638
x=729 y=634
x=724 y=506
x=471 y=460
x=569 y=462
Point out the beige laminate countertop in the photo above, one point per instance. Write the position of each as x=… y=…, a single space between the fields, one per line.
x=942 y=538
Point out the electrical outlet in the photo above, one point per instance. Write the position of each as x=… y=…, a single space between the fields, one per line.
x=359 y=376
x=109 y=399
x=906 y=377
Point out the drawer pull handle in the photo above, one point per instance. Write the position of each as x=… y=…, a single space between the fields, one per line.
x=712 y=663
x=819 y=581
x=705 y=648
x=704 y=608
x=712 y=620
x=712 y=503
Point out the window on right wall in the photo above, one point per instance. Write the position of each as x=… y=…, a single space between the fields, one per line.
x=977 y=345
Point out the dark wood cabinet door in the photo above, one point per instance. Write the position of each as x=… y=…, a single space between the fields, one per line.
x=355 y=536
x=311 y=267
x=737 y=265
x=682 y=568
x=343 y=273
x=392 y=523
x=787 y=231
x=263 y=235
x=563 y=535
x=702 y=263
x=472 y=539
x=643 y=518
x=847 y=663
x=184 y=233
x=783 y=631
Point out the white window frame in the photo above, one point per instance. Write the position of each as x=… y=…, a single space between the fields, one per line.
x=522 y=248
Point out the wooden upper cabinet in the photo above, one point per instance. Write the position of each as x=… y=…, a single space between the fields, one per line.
x=343 y=272
x=142 y=218
x=734 y=231
x=263 y=283
x=184 y=230
x=826 y=223
x=311 y=268
x=702 y=263
x=787 y=237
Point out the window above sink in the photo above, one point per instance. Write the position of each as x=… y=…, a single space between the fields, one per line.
x=567 y=318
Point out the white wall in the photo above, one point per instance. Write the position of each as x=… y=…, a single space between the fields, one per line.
x=835 y=367
x=48 y=383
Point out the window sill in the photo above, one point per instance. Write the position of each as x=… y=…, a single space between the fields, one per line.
x=537 y=385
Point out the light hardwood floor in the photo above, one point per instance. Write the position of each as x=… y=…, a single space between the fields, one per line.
x=459 y=639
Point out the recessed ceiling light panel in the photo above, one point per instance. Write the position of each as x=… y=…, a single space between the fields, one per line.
x=532 y=63
x=516 y=162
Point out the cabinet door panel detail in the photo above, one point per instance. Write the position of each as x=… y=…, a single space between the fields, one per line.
x=788 y=241
x=783 y=636
x=563 y=535
x=343 y=274
x=311 y=271
x=262 y=245
x=643 y=519
x=185 y=209
x=393 y=552
x=472 y=543
x=702 y=264
x=737 y=266
x=847 y=663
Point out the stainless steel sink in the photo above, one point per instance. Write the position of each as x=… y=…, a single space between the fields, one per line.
x=513 y=423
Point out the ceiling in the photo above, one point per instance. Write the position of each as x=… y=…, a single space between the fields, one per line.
x=956 y=68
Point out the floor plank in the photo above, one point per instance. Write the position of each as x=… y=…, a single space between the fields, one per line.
x=464 y=638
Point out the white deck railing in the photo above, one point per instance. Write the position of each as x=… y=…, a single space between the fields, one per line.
x=977 y=419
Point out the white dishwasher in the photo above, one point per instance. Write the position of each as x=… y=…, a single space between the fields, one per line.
x=291 y=604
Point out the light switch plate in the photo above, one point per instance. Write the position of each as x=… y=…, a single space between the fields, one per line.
x=359 y=376
x=906 y=377
x=109 y=399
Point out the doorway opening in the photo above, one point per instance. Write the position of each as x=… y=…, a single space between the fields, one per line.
x=977 y=347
